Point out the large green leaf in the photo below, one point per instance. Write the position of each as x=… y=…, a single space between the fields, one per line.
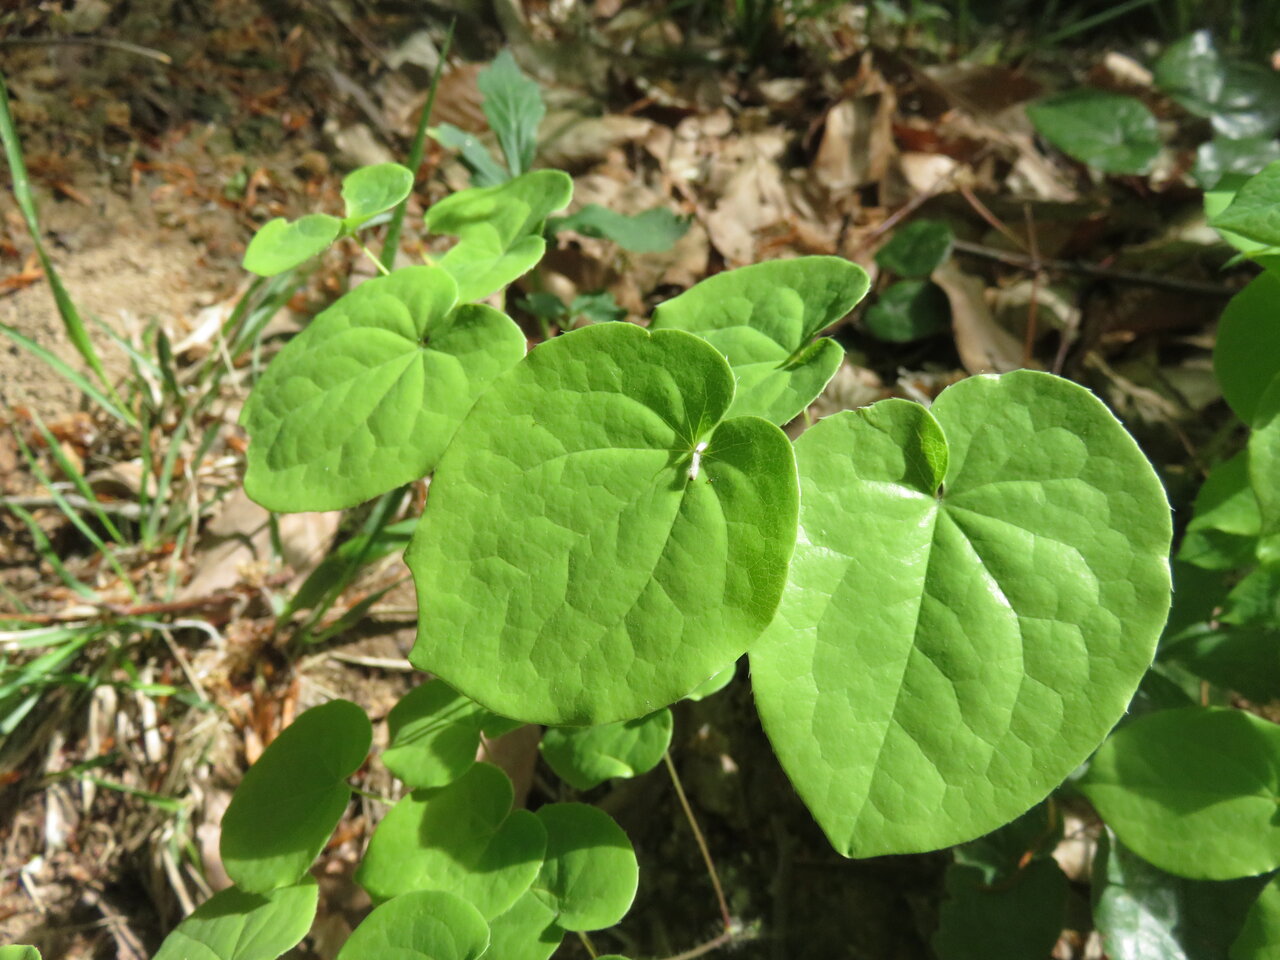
x=1246 y=357
x=286 y=807
x=1144 y=913
x=1108 y=131
x=420 y=925
x=764 y=319
x=1240 y=99
x=598 y=541
x=498 y=229
x=590 y=875
x=234 y=925
x=652 y=231
x=281 y=244
x=463 y=838
x=586 y=757
x=975 y=595
x=1193 y=791
x=368 y=396
x=1260 y=937
x=371 y=190
x=1264 y=467
x=513 y=106
x=434 y=732
x=527 y=931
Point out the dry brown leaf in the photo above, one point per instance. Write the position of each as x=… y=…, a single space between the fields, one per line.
x=984 y=345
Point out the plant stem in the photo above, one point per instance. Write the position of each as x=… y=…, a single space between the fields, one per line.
x=376 y=262
x=702 y=846
x=703 y=949
x=586 y=942
x=369 y=795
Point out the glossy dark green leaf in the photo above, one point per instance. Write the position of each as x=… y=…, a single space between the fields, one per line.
x=599 y=535
x=914 y=251
x=1223 y=157
x=463 y=839
x=1193 y=791
x=907 y=311
x=527 y=931
x=369 y=395
x=434 y=733
x=1264 y=468
x=419 y=925
x=590 y=875
x=1260 y=937
x=285 y=809
x=1144 y=913
x=765 y=319
x=1246 y=357
x=652 y=231
x=585 y=757
x=513 y=106
x=485 y=171
x=1240 y=99
x=281 y=244
x=1107 y=131
x=234 y=925
x=1254 y=211
x=976 y=593
x=371 y=190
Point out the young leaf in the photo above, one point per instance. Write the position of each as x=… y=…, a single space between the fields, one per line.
x=1144 y=913
x=434 y=733
x=514 y=108
x=598 y=520
x=909 y=310
x=1259 y=939
x=235 y=925
x=764 y=319
x=1108 y=131
x=590 y=875
x=286 y=807
x=1240 y=99
x=527 y=931
x=419 y=925
x=485 y=171
x=462 y=838
x=917 y=249
x=1246 y=356
x=1193 y=791
x=1013 y=545
x=1254 y=212
x=370 y=394
x=498 y=229
x=282 y=244
x=653 y=231
x=369 y=191
x=585 y=757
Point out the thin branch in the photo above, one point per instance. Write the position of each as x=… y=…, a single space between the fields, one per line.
x=703 y=949
x=725 y=915
x=122 y=45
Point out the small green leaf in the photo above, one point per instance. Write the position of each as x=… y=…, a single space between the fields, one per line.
x=1264 y=469
x=1217 y=200
x=368 y=396
x=498 y=229
x=917 y=249
x=1254 y=212
x=1108 y=131
x=1240 y=99
x=653 y=231
x=1193 y=791
x=527 y=931
x=714 y=683
x=286 y=807
x=281 y=244
x=1225 y=520
x=764 y=319
x=514 y=108
x=485 y=171
x=234 y=925
x=907 y=311
x=586 y=757
x=1012 y=544
x=1144 y=913
x=590 y=874
x=1019 y=917
x=1260 y=937
x=1246 y=357
x=419 y=925
x=462 y=838
x=20 y=952
x=369 y=191
x=598 y=520
x=599 y=307
x=1224 y=157
x=434 y=732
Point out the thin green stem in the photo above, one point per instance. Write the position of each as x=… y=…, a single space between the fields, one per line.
x=586 y=942
x=376 y=262
x=702 y=844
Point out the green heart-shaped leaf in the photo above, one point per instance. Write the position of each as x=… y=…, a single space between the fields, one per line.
x=764 y=319
x=434 y=732
x=370 y=190
x=917 y=249
x=527 y=931
x=586 y=757
x=907 y=311
x=281 y=244
x=1259 y=939
x=285 y=809
x=1264 y=470
x=975 y=595
x=590 y=875
x=600 y=537
x=1246 y=356
x=462 y=838
x=1114 y=133
x=234 y=925
x=498 y=229
x=420 y=925
x=1193 y=791
x=368 y=397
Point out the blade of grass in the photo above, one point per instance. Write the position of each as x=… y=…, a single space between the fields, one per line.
x=1088 y=23
x=26 y=203
x=50 y=556
x=392 y=242
x=114 y=407
x=152 y=525
x=77 y=479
